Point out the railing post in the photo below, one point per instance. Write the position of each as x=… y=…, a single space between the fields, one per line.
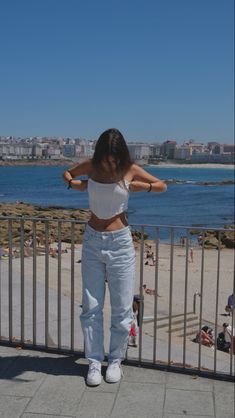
x=141 y=293
x=170 y=292
x=1 y=253
x=22 y=302
x=10 y=287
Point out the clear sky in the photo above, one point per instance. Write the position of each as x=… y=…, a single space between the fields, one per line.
x=155 y=69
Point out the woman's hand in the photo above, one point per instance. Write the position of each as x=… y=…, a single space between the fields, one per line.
x=145 y=182
x=141 y=186
x=79 y=185
x=81 y=169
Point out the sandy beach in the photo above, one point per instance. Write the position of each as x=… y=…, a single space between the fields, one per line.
x=162 y=267
x=165 y=290
x=208 y=165
x=38 y=163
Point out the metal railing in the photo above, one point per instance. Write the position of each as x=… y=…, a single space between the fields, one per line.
x=40 y=293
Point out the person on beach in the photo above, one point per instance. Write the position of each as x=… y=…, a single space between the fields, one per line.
x=108 y=251
x=227 y=333
x=134 y=326
x=191 y=255
x=205 y=336
x=230 y=304
x=224 y=338
x=149 y=291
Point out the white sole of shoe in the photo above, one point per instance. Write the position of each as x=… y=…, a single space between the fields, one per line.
x=93 y=384
x=108 y=380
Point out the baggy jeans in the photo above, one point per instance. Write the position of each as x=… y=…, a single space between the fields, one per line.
x=107 y=256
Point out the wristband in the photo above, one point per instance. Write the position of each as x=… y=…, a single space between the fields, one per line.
x=69 y=184
x=150 y=187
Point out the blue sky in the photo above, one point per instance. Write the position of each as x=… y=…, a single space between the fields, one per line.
x=155 y=69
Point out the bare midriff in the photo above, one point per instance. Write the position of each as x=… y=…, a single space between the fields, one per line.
x=113 y=224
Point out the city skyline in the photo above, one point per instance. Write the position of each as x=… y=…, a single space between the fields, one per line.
x=78 y=137
x=156 y=70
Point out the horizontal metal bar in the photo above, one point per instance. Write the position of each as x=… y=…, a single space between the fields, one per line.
x=46 y=219
x=75 y=221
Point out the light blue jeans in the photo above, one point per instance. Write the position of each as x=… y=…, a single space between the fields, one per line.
x=111 y=256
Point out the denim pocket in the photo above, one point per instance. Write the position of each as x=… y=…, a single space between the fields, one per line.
x=87 y=236
x=124 y=241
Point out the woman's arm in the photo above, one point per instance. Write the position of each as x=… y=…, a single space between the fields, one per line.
x=143 y=181
x=81 y=169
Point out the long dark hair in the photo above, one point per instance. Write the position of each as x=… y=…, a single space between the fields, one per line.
x=112 y=143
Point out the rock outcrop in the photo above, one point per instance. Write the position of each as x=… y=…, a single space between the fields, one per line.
x=227 y=238
x=23 y=211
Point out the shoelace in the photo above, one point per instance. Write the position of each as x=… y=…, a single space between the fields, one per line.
x=94 y=368
x=116 y=365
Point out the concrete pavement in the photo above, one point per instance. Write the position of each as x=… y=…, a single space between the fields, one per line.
x=36 y=384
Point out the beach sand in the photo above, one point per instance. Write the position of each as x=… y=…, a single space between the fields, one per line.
x=208 y=165
x=58 y=163
x=164 y=285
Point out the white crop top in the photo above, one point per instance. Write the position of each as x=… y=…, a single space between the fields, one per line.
x=108 y=199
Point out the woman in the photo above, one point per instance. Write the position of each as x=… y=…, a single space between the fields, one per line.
x=108 y=251
x=205 y=336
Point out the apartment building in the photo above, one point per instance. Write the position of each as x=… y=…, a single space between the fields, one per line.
x=139 y=151
x=167 y=149
x=182 y=152
x=13 y=151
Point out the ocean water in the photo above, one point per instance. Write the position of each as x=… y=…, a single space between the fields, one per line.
x=183 y=204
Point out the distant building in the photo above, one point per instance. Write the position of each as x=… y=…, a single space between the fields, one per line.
x=36 y=150
x=183 y=152
x=212 y=158
x=228 y=149
x=168 y=149
x=224 y=149
x=15 y=151
x=195 y=146
x=69 y=150
x=211 y=145
x=53 y=152
x=139 y=151
x=154 y=150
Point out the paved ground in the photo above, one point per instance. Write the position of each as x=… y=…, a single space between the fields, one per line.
x=36 y=384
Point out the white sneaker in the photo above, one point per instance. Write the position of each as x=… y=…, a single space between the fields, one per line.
x=114 y=371
x=94 y=374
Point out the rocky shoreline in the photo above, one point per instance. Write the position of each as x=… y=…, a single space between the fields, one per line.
x=227 y=238
x=38 y=163
x=25 y=211
x=71 y=162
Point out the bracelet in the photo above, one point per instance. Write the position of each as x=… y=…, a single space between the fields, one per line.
x=69 y=184
x=150 y=187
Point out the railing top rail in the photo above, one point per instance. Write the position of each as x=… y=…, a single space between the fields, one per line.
x=196 y=228
x=77 y=221
x=33 y=218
